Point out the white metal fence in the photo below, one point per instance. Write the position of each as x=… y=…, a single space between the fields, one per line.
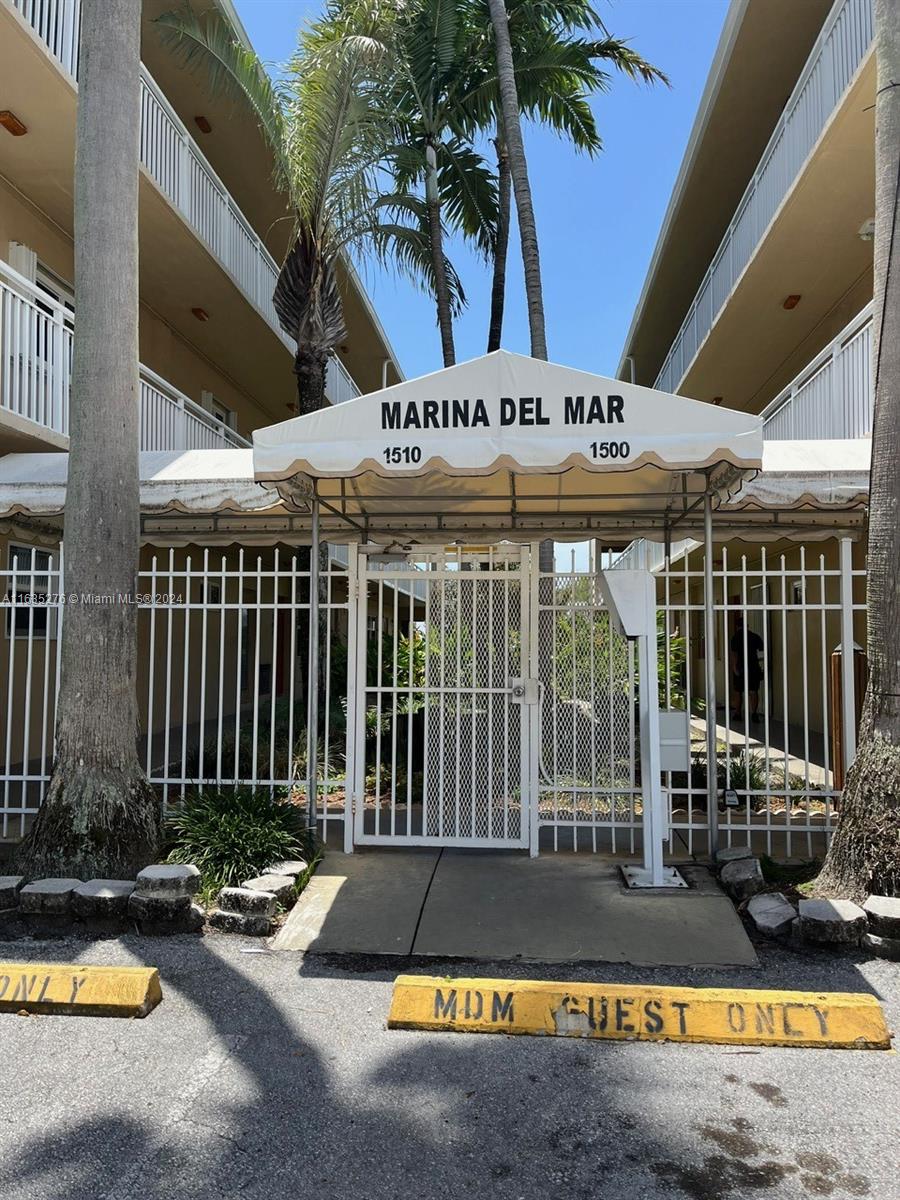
x=417 y=704
x=788 y=612
x=36 y=369
x=221 y=675
x=833 y=396
x=837 y=54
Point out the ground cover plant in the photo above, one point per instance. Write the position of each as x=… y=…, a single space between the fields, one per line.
x=232 y=834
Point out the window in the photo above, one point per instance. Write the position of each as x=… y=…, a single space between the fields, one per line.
x=216 y=409
x=27 y=592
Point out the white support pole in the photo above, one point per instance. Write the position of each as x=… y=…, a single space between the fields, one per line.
x=353 y=682
x=848 y=655
x=312 y=706
x=533 y=727
x=655 y=831
x=709 y=643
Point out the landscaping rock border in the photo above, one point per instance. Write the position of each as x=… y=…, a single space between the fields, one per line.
x=159 y=902
x=835 y=924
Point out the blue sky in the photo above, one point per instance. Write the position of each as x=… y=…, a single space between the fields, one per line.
x=597 y=219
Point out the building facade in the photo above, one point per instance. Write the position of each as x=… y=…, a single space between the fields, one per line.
x=214 y=366
x=759 y=298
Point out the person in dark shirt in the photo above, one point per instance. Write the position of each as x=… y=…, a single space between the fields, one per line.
x=746 y=674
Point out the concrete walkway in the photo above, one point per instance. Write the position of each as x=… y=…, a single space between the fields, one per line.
x=489 y=905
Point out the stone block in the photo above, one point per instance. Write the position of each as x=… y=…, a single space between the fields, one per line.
x=280 y=886
x=831 y=922
x=742 y=878
x=157 y=908
x=772 y=913
x=247 y=900
x=48 y=896
x=47 y=924
x=249 y=924
x=732 y=854
x=169 y=880
x=102 y=898
x=881 y=947
x=181 y=916
x=10 y=886
x=883 y=913
x=292 y=867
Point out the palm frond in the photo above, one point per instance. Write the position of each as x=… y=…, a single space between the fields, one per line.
x=307 y=298
x=207 y=45
x=468 y=189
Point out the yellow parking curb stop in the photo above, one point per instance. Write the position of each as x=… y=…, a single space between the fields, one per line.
x=72 y=989
x=739 y=1016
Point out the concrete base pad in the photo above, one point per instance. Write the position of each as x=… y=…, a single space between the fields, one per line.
x=501 y=905
x=363 y=903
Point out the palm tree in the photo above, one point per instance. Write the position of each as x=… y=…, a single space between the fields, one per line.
x=864 y=855
x=558 y=65
x=518 y=169
x=328 y=135
x=100 y=817
x=426 y=98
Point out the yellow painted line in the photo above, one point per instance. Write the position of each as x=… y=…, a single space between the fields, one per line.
x=739 y=1016
x=73 y=989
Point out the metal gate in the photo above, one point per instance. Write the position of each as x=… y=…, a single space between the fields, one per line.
x=444 y=706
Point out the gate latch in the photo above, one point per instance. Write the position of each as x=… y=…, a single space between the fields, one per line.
x=524 y=691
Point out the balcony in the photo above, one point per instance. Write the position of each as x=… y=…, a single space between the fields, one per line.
x=841 y=48
x=833 y=396
x=339 y=384
x=36 y=368
x=176 y=165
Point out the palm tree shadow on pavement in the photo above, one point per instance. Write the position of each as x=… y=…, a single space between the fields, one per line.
x=260 y=1081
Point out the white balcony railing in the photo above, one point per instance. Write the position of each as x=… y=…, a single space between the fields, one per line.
x=36 y=369
x=339 y=384
x=832 y=397
x=176 y=164
x=839 y=50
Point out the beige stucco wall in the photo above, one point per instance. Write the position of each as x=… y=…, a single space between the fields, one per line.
x=796 y=683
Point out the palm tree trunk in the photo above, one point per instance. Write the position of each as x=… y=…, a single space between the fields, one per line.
x=100 y=817
x=311 y=369
x=518 y=165
x=864 y=856
x=436 y=233
x=498 y=286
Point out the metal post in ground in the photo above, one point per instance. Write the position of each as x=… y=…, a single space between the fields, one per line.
x=312 y=703
x=848 y=655
x=709 y=638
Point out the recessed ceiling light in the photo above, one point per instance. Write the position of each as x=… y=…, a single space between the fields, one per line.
x=12 y=124
x=203 y=124
x=791 y=302
x=200 y=313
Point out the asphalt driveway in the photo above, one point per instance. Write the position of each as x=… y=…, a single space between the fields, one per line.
x=268 y=1074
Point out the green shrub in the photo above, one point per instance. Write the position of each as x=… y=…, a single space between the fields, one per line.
x=234 y=833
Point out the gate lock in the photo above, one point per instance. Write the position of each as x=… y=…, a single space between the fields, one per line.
x=524 y=691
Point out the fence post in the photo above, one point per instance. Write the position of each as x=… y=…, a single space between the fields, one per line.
x=312 y=706
x=709 y=637
x=352 y=683
x=848 y=663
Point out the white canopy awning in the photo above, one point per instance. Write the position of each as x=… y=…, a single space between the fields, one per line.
x=469 y=483
x=506 y=446
x=187 y=481
x=826 y=474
